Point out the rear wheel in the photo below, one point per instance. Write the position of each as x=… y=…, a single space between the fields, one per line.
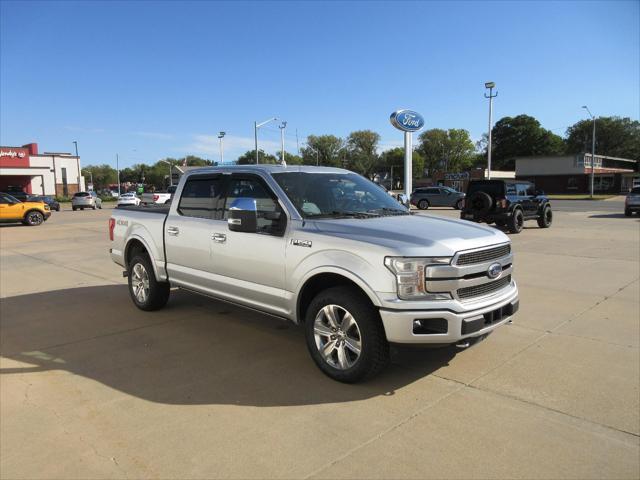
x=544 y=221
x=74 y=208
x=516 y=221
x=628 y=212
x=423 y=204
x=345 y=336
x=33 y=218
x=458 y=205
x=146 y=292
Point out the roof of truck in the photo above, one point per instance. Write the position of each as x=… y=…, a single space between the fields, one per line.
x=269 y=168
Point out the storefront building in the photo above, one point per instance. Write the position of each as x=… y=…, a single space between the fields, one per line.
x=40 y=174
x=572 y=173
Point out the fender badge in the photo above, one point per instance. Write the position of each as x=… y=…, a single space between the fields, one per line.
x=301 y=243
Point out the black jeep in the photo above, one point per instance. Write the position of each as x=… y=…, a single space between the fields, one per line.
x=506 y=202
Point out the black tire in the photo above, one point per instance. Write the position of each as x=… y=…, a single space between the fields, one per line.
x=458 y=205
x=33 y=218
x=82 y=208
x=423 y=204
x=479 y=203
x=58 y=209
x=545 y=220
x=100 y=206
x=628 y=212
x=74 y=208
x=374 y=349
x=516 y=221
x=93 y=208
x=158 y=292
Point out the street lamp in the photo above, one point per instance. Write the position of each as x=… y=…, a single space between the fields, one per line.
x=78 y=163
x=490 y=86
x=220 y=137
x=90 y=174
x=256 y=126
x=593 y=149
x=282 y=127
x=170 y=172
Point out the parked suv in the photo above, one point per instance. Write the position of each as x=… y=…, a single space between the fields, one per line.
x=82 y=200
x=506 y=203
x=632 y=202
x=424 y=198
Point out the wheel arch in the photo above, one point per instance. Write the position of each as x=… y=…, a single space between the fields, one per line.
x=31 y=210
x=321 y=280
x=137 y=244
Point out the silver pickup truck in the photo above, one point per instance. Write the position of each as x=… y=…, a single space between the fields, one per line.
x=324 y=248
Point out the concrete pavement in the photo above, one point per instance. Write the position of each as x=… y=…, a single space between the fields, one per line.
x=91 y=387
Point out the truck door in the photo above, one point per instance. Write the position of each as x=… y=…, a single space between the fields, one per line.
x=252 y=265
x=188 y=231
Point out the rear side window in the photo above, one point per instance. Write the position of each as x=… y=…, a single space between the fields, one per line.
x=522 y=189
x=432 y=191
x=200 y=197
x=511 y=189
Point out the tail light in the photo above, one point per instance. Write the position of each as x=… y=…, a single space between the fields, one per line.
x=112 y=225
x=156 y=197
x=502 y=202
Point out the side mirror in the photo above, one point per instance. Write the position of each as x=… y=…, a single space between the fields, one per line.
x=243 y=215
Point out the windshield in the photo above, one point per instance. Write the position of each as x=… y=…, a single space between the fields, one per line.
x=336 y=195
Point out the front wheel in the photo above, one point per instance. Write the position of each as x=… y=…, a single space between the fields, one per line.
x=345 y=336
x=146 y=292
x=516 y=221
x=458 y=205
x=628 y=212
x=423 y=204
x=33 y=218
x=544 y=221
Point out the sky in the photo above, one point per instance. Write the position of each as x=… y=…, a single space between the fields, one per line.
x=148 y=80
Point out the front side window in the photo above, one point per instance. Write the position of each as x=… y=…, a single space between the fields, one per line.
x=271 y=218
x=336 y=195
x=200 y=197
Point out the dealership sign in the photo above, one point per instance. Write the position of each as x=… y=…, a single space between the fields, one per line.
x=12 y=154
x=407 y=120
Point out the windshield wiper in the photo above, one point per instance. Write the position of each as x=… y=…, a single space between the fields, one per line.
x=390 y=211
x=343 y=214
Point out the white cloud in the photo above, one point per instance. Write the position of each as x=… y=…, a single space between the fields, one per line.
x=156 y=135
x=234 y=146
x=73 y=128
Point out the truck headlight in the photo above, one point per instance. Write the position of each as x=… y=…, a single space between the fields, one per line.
x=410 y=276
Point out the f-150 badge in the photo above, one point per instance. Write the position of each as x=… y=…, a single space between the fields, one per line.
x=302 y=243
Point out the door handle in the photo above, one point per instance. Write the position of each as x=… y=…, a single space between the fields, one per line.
x=173 y=231
x=219 y=237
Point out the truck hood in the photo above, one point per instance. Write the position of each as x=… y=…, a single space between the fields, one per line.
x=413 y=235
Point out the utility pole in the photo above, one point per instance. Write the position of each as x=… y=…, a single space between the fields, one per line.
x=297 y=142
x=593 y=150
x=256 y=126
x=282 y=127
x=490 y=86
x=221 y=137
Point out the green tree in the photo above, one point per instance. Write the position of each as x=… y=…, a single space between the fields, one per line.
x=249 y=158
x=615 y=137
x=521 y=136
x=322 y=150
x=103 y=175
x=447 y=150
x=290 y=158
x=395 y=158
x=361 y=154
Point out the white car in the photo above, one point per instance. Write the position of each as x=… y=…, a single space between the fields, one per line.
x=128 y=199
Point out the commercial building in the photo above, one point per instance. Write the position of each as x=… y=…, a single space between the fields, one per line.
x=46 y=173
x=571 y=173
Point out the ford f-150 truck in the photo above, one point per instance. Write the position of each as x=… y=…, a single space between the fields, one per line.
x=325 y=248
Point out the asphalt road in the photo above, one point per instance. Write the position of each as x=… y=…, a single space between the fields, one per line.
x=91 y=387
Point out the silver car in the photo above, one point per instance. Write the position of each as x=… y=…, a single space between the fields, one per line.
x=426 y=197
x=632 y=202
x=82 y=200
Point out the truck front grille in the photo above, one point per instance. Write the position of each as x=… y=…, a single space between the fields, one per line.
x=482 y=256
x=484 y=289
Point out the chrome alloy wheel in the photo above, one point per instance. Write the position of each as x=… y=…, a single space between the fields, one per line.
x=35 y=218
x=140 y=282
x=337 y=337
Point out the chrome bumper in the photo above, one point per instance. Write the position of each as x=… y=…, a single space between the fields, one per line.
x=399 y=324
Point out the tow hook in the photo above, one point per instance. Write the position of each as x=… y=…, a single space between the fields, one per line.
x=463 y=344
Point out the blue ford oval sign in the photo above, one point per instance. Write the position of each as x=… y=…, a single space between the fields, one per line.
x=407 y=120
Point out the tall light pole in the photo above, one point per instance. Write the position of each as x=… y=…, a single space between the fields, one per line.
x=593 y=149
x=256 y=126
x=118 y=172
x=170 y=172
x=220 y=137
x=282 y=127
x=78 y=163
x=491 y=96
x=91 y=176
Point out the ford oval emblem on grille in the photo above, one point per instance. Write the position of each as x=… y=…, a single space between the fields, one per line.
x=494 y=270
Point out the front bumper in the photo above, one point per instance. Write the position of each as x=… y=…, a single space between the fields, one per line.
x=447 y=326
x=632 y=207
x=46 y=214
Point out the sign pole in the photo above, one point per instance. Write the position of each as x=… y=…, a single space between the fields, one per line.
x=408 y=164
